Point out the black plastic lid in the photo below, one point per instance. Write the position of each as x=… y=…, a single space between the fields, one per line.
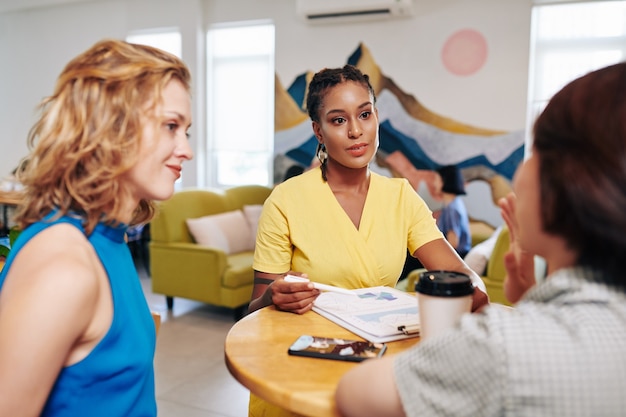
x=444 y=284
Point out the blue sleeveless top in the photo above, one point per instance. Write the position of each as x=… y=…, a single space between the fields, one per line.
x=117 y=377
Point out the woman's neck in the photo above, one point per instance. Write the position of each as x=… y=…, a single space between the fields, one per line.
x=127 y=208
x=557 y=254
x=348 y=179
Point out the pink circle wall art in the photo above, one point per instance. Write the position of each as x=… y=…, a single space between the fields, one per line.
x=465 y=52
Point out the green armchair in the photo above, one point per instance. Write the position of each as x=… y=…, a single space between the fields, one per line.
x=496 y=272
x=180 y=267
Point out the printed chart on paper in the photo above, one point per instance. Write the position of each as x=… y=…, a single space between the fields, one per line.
x=378 y=311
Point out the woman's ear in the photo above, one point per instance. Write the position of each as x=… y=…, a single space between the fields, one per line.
x=317 y=131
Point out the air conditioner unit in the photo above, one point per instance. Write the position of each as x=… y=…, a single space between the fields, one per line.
x=331 y=11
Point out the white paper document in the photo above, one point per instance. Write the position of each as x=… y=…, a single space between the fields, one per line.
x=377 y=314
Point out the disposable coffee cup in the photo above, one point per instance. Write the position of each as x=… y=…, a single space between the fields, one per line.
x=442 y=298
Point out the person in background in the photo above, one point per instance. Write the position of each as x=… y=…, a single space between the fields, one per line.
x=453 y=220
x=560 y=351
x=339 y=223
x=76 y=335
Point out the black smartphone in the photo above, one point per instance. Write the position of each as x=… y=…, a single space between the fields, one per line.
x=337 y=349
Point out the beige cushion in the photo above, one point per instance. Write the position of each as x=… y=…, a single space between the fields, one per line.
x=478 y=256
x=253 y=213
x=229 y=231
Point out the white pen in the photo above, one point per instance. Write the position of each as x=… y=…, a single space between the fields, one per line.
x=321 y=287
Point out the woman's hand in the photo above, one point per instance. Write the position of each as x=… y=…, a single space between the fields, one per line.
x=439 y=254
x=479 y=299
x=295 y=297
x=519 y=264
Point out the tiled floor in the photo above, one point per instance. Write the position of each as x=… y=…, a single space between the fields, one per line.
x=191 y=377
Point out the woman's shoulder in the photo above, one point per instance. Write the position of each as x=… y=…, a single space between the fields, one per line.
x=62 y=240
x=308 y=180
x=391 y=185
x=60 y=258
x=397 y=181
x=313 y=175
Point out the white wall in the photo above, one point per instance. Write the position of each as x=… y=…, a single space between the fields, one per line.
x=36 y=43
x=408 y=50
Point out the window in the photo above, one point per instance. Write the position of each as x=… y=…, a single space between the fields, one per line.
x=240 y=105
x=569 y=40
x=168 y=40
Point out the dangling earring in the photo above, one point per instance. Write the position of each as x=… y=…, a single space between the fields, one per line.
x=322 y=155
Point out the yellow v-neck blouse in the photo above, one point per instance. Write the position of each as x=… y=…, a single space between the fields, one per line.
x=304 y=228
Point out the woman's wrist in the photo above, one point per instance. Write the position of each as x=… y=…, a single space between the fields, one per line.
x=267 y=299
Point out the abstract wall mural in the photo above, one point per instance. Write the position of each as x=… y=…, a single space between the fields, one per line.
x=414 y=141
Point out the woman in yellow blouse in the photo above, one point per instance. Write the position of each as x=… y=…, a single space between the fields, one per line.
x=340 y=223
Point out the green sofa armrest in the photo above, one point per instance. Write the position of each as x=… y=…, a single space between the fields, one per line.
x=496 y=272
x=186 y=269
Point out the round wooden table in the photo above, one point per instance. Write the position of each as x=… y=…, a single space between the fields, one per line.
x=256 y=355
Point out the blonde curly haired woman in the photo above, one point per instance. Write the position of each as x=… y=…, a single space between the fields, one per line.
x=76 y=334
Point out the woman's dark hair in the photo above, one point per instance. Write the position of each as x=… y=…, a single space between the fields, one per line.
x=330 y=77
x=293 y=171
x=580 y=141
